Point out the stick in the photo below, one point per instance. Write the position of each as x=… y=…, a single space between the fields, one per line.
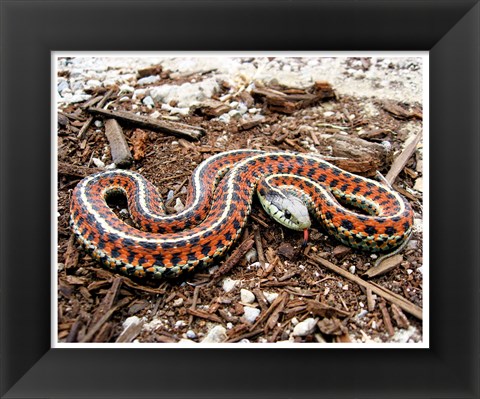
x=401 y=302
x=83 y=130
x=173 y=128
x=403 y=158
x=120 y=152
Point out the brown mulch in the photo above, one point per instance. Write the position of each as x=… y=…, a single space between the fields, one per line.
x=93 y=303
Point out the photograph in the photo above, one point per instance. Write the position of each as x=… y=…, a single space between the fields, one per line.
x=240 y=200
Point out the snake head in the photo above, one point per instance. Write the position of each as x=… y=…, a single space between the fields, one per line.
x=287 y=209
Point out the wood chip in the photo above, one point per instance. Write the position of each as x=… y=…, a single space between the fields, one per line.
x=385 y=266
x=139 y=143
x=386 y=318
x=119 y=150
x=399 y=317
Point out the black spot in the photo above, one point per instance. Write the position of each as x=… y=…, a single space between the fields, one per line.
x=206 y=249
x=236 y=224
x=406 y=226
x=130 y=257
x=390 y=230
x=328 y=215
x=114 y=253
x=390 y=196
x=369 y=184
x=381 y=190
x=176 y=260
x=357 y=180
x=356 y=190
x=336 y=172
x=333 y=183
x=396 y=219
x=228 y=237
x=344 y=187
x=322 y=177
x=347 y=224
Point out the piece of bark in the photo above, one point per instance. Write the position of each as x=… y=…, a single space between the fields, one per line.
x=139 y=144
x=358 y=155
x=399 y=112
x=385 y=266
x=288 y=101
x=131 y=332
x=317 y=308
x=399 y=317
x=172 y=128
x=251 y=122
x=234 y=258
x=386 y=318
x=67 y=169
x=119 y=150
x=211 y=107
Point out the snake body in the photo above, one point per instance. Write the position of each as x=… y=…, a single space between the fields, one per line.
x=218 y=204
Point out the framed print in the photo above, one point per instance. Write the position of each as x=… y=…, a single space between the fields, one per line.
x=143 y=164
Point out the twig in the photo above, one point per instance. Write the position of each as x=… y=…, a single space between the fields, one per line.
x=234 y=258
x=173 y=128
x=401 y=302
x=403 y=158
x=259 y=246
x=83 y=131
x=386 y=318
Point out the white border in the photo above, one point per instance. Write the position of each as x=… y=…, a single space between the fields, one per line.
x=426 y=199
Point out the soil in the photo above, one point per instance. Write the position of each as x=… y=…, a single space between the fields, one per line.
x=97 y=305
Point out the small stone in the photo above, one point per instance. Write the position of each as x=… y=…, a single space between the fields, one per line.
x=418 y=184
x=352 y=269
x=180 y=324
x=250 y=314
x=98 y=123
x=191 y=334
x=148 y=101
x=98 y=163
x=60 y=266
x=132 y=320
x=270 y=296
x=305 y=327
x=328 y=114
x=148 y=80
x=251 y=255
x=246 y=296
x=216 y=335
x=179 y=205
x=229 y=284
x=178 y=302
x=345 y=287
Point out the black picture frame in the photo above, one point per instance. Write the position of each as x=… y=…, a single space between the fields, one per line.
x=30 y=30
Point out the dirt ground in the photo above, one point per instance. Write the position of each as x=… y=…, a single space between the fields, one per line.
x=291 y=295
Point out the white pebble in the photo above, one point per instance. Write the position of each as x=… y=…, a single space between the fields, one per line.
x=246 y=296
x=229 y=284
x=148 y=80
x=351 y=269
x=305 y=327
x=98 y=123
x=179 y=207
x=148 y=101
x=270 y=296
x=180 y=324
x=250 y=314
x=98 y=163
x=251 y=255
x=178 y=302
x=216 y=335
x=191 y=334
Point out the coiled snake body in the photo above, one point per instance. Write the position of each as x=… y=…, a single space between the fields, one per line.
x=290 y=187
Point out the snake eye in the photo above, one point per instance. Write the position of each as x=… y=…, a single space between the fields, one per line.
x=287 y=214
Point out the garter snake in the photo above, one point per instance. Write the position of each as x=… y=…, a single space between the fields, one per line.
x=290 y=186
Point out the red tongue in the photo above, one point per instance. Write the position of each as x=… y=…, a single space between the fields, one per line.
x=305 y=237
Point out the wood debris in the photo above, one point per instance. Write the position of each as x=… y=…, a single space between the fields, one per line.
x=167 y=127
x=119 y=150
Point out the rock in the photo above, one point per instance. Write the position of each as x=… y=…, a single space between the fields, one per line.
x=187 y=94
x=180 y=324
x=229 y=284
x=148 y=80
x=305 y=327
x=216 y=335
x=191 y=334
x=418 y=184
x=98 y=163
x=270 y=296
x=179 y=205
x=246 y=296
x=250 y=314
x=148 y=101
